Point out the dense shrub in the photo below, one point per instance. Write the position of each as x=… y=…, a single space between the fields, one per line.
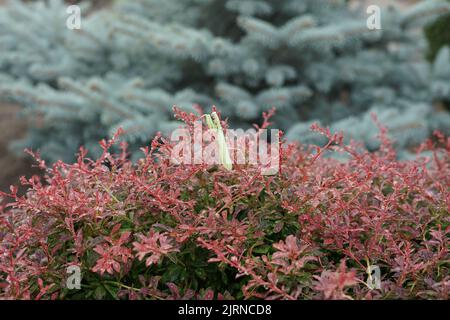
x=158 y=230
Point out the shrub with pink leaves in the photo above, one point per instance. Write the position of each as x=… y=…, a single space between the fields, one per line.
x=159 y=230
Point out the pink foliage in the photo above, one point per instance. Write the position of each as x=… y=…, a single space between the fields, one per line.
x=159 y=230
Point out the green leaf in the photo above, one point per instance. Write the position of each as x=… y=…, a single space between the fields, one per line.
x=99 y=292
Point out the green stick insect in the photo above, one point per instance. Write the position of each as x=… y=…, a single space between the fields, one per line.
x=213 y=123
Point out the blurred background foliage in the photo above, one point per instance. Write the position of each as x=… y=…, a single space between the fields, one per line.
x=438 y=35
x=315 y=60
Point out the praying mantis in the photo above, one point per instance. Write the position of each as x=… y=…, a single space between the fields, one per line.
x=213 y=123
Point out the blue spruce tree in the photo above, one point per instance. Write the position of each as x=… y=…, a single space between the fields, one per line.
x=314 y=60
